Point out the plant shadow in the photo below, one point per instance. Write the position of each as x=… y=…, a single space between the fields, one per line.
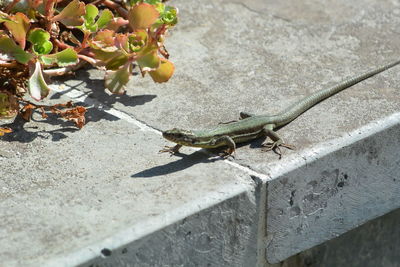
x=94 y=89
x=23 y=133
x=92 y=96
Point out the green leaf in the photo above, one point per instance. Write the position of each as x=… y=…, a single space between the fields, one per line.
x=169 y=16
x=136 y=41
x=164 y=72
x=37 y=36
x=40 y=41
x=160 y=7
x=8 y=46
x=104 y=40
x=8 y=106
x=18 y=27
x=152 y=2
x=4 y=17
x=90 y=24
x=64 y=58
x=90 y=16
x=43 y=48
x=37 y=86
x=149 y=62
x=142 y=16
x=72 y=14
x=91 y=12
x=116 y=61
x=111 y=60
x=104 y=49
x=115 y=81
x=105 y=17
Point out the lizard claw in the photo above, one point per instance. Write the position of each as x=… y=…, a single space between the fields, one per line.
x=170 y=149
x=227 y=153
x=275 y=146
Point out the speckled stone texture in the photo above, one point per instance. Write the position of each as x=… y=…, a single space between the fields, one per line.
x=103 y=196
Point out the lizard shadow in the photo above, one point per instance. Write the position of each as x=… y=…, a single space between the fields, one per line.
x=256 y=143
x=188 y=160
x=184 y=162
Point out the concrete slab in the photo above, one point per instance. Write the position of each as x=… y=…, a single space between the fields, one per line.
x=125 y=204
x=262 y=63
x=71 y=196
x=274 y=55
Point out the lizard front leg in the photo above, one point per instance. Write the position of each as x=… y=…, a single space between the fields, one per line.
x=171 y=149
x=224 y=141
x=277 y=141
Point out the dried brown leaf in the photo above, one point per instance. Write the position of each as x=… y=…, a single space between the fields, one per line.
x=76 y=115
x=26 y=111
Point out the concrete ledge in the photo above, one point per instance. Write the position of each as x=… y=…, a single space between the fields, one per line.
x=222 y=235
x=334 y=188
x=372 y=244
x=103 y=196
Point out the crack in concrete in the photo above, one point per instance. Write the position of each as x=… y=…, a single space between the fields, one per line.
x=260 y=12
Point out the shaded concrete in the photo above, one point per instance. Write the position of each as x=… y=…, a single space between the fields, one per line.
x=375 y=243
x=333 y=192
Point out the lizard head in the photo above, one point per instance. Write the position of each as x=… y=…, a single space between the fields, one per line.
x=179 y=136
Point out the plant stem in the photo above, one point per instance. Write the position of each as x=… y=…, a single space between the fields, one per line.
x=10 y=65
x=122 y=11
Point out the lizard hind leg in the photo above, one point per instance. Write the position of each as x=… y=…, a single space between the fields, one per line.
x=242 y=115
x=276 y=143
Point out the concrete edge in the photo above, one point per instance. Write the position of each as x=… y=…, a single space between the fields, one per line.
x=137 y=231
x=324 y=148
x=321 y=150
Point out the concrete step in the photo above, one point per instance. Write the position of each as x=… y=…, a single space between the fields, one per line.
x=103 y=196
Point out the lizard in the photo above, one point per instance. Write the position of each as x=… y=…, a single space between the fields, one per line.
x=250 y=126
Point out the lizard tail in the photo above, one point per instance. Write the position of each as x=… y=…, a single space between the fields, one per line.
x=303 y=105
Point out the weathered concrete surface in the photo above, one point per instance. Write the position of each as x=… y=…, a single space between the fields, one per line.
x=373 y=244
x=105 y=186
x=212 y=237
x=230 y=58
x=260 y=56
x=333 y=190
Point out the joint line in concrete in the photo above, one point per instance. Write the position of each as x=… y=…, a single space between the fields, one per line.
x=77 y=95
x=290 y=163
